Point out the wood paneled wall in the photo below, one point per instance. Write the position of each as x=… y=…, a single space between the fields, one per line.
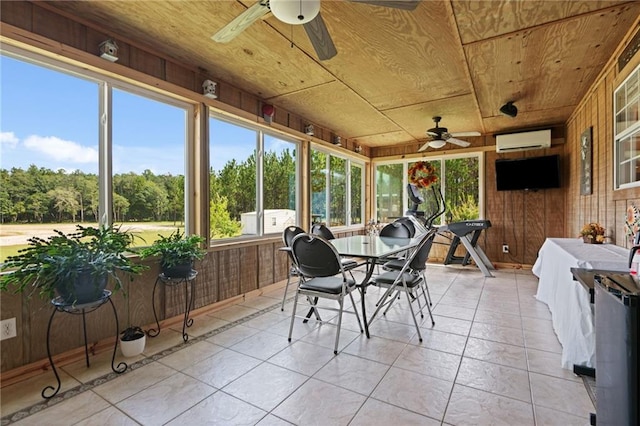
x=224 y=273
x=605 y=205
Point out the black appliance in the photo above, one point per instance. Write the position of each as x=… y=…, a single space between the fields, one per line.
x=617 y=301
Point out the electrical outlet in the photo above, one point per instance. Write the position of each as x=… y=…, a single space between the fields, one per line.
x=505 y=248
x=7 y=328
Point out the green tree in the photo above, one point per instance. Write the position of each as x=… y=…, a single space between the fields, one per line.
x=221 y=223
x=65 y=201
x=37 y=206
x=120 y=208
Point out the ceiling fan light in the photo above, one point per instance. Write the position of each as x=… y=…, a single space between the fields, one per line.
x=437 y=143
x=295 y=12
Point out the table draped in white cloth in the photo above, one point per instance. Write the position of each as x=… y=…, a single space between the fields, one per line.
x=569 y=302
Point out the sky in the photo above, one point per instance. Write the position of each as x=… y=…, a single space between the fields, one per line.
x=50 y=119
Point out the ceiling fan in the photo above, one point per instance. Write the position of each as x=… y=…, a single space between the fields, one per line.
x=299 y=12
x=440 y=136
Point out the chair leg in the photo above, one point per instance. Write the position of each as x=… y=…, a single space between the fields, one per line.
x=426 y=286
x=380 y=304
x=335 y=348
x=429 y=305
x=413 y=315
x=415 y=298
x=286 y=288
x=293 y=314
x=355 y=310
x=390 y=303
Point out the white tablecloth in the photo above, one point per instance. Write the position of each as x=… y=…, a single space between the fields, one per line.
x=571 y=311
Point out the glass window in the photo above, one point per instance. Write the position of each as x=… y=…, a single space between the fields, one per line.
x=48 y=152
x=148 y=164
x=336 y=189
x=627 y=131
x=232 y=180
x=242 y=204
x=355 y=190
x=280 y=188
x=389 y=191
x=458 y=180
x=319 y=193
x=461 y=189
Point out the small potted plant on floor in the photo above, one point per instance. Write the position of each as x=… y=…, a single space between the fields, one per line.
x=177 y=253
x=75 y=266
x=132 y=341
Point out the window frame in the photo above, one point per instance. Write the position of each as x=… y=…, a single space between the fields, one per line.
x=440 y=158
x=632 y=130
x=105 y=84
x=349 y=161
x=261 y=132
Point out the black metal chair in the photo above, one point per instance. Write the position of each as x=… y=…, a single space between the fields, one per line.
x=287 y=237
x=323 y=277
x=323 y=231
x=410 y=280
x=397 y=229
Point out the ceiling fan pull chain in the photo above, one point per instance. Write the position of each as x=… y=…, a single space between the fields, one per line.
x=300 y=15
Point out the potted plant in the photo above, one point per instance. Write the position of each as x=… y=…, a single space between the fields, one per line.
x=177 y=252
x=132 y=341
x=74 y=266
x=592 y=233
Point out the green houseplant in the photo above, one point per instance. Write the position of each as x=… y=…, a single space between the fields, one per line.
x=177 y=253
x=75 y=266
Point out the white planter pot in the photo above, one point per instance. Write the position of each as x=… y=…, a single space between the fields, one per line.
x=131 y=348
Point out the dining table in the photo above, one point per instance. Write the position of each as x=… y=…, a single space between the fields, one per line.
x=372 y=249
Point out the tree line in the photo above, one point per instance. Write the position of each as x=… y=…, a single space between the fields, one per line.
x=41 y=195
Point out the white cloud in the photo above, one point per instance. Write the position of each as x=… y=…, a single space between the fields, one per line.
x=8 y=139
x=61 y=150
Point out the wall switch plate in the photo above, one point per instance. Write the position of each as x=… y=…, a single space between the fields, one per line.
x=505 y=248
x=7 y=328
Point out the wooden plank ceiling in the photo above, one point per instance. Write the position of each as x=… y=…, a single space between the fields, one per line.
x=395 y=69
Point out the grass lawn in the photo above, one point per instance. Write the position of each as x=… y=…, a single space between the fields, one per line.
x=145 y=232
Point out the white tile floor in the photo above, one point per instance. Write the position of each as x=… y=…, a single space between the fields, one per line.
x=491 y=358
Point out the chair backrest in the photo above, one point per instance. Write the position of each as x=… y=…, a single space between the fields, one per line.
x=289 y=232
x=315 y=256
x=409 y=224
x=418 y=260
x=323 y=231
x=395 y=229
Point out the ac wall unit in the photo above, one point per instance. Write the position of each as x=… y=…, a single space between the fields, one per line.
x=524 y=140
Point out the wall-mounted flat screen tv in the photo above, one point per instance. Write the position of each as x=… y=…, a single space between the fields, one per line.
x=530 y=173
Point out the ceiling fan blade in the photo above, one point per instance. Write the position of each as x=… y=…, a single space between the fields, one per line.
x=241 y=22
x=434 y=134
x=465 y=134
x=458 y=142
x=396 y=4
x=424 y=147
x=320 y=38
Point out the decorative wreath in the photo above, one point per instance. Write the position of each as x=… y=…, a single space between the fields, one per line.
x=422 y=174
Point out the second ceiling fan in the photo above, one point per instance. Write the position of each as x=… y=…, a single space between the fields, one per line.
x=298 y=12
x=441 y=136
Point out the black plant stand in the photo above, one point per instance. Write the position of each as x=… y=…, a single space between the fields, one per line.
x=189 y=296
x=59 y=305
